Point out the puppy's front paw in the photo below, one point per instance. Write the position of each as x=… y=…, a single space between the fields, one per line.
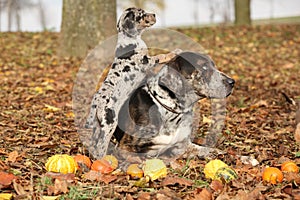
x=177 y=51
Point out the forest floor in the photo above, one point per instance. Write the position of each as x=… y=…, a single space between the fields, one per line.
x=37 y=121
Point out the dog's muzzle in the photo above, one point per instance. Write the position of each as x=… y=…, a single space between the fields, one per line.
x=149 y=20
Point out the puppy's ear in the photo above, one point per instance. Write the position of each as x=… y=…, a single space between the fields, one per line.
x=126 y=23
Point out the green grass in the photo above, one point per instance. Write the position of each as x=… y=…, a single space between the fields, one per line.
x=282 y=20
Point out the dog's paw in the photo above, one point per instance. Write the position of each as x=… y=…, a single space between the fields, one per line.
x=177 y=51
x=203 y=152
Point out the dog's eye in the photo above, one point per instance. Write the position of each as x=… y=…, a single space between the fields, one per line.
x=138 y=18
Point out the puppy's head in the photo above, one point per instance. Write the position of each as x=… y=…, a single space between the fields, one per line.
x=134 y=20
x=200 y=72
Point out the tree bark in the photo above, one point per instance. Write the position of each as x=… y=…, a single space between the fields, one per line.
x=0 y=14
x=242 y=12
x=9 y=14
x=85 y=24
x=42 y=15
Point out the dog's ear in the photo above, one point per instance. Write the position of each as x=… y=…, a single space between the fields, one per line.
x=172 y=87
x=126 y=23
x=169 y=79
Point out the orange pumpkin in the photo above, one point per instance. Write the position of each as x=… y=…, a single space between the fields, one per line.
x=61 y=163
x=134 y=171
x=102 y=166
x=272 y=175
x=82 y=159
x=289 y=166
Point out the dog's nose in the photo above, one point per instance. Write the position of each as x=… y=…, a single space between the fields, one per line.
x=152 y=15
x=231 y=81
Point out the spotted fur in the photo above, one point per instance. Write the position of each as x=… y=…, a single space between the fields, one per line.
x=127 y=71
x=156 y=120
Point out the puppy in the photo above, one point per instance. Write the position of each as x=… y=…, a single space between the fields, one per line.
x=127 y=71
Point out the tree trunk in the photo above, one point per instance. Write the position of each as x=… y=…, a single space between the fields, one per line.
x=9 y=14
x=0 y=14
x=42 y=15
x=242 y=12
x=18 y=18
x=85 y=24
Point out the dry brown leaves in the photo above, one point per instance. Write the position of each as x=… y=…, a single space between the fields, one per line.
x=37 y=119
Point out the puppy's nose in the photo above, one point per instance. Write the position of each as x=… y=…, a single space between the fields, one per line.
x=231 y=81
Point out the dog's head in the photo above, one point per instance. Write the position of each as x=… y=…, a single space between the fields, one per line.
x=134 y=20
x=188 y=78
x=200 y=72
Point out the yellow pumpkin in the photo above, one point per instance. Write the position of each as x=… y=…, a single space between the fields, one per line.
x=225 y=174
x=155 y=169
x=135 y=171
x=61 y=163
x=212 y=167
x=112 y=160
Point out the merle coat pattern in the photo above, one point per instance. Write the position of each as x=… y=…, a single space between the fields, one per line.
x=156 y=120
x=127 y=71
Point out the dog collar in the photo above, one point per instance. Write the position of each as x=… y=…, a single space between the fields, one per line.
x=163 y=105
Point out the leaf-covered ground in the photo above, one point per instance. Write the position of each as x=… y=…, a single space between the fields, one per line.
x=36 y=118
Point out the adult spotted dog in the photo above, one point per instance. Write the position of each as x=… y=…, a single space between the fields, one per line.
x=156 y=120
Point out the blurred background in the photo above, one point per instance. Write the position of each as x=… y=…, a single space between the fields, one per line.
x=41 y=15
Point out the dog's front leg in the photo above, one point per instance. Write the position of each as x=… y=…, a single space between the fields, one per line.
x=163 y=58
x=202 y=151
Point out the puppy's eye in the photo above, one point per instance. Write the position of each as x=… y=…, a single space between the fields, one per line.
x=138 y=18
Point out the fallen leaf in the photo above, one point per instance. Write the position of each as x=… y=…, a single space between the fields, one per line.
x=51 y=108
x=288 y=189
x=206 y=120
x=19 y=188
x=6 y=178
x=12 y=156
x=60 y=186
x=297 y=133
x=3 y=166
x=144 y=196
x=205 y=194
x=50 y=197
x=97 y=176
x=176 y=180
x=297 y=117
x=70 y=114
x=38 y=90
x=92 y=175
x=142 y=182
x=288 y=66
x=166 y=194
x=216 y=185
x=290 y=176
x=69 y=177
x=5 y=196
x=107 y=178
x=129 y=197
